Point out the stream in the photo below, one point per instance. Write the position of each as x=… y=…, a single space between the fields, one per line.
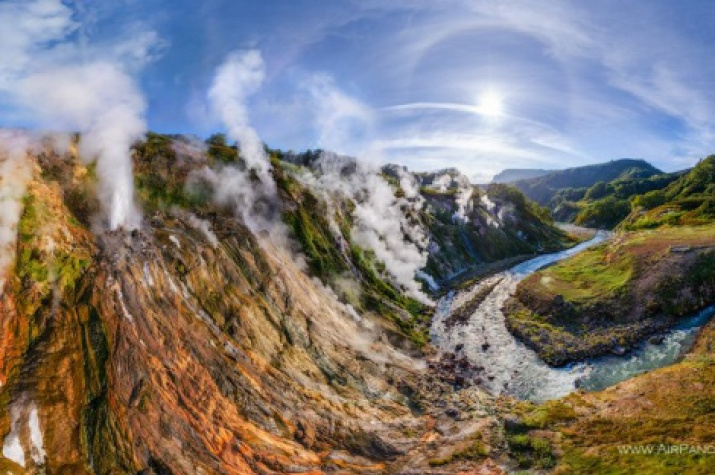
x=510 y=367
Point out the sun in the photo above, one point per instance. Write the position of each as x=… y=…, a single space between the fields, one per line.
x=491 y=104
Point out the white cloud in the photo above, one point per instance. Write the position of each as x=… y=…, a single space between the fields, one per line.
x=582 y=82
x=344 y=124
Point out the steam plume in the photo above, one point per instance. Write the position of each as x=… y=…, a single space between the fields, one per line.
x=66 y=85
x=240 y=76
x=251 y=190
x=382 y=220
x=15 y=172
x=464 y=199
x=103 y=103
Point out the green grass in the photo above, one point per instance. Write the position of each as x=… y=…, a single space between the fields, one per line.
x=531 y=451
x=36 y=265
x=549 y=414
x=592 y=274
x=475 y=451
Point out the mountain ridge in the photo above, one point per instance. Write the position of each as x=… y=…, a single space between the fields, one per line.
x=510 y=175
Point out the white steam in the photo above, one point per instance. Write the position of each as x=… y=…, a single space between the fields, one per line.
x=250 y=190
x=59 y=83
x=382 y=221
x=104 y=104
x=464 y=202
x=239 y=77
x=205 y=228
x=344 y=124
x=15 y=172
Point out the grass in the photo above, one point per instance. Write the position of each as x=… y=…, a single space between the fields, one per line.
x=593 y=274
x=531 y=451
x=550 y=414
x=40 y=266
x=666 y=407
x=476 y=450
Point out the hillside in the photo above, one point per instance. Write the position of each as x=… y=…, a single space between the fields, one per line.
x=543 y=189
x=688 y=200
x=604 y=205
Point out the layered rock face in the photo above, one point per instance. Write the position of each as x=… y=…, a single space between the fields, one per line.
x=193 y=346
x=163 y=352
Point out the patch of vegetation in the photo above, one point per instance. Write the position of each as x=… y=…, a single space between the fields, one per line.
x=44 y=264
x=549 y=414
x=595 y=273
x=531 y=452
x=308 y=222
x=474 y=451
x=687 y=201
x=604 y=213
x=219 y=151
x=160 y=182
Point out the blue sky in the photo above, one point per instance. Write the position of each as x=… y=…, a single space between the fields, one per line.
x=480 y=85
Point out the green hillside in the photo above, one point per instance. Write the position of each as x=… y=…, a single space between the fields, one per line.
x=689 y=200
x=604 y=205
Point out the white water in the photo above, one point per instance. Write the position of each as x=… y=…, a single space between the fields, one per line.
x=512 y=368
x=609 y=370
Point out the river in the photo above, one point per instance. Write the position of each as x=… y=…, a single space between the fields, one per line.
x=510 y=367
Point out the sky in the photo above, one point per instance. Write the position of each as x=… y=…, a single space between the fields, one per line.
x=477 y=85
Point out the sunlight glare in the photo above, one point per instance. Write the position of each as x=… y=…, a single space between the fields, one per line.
x=491 y=104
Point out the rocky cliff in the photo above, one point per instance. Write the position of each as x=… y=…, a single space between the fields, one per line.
x=193 y=345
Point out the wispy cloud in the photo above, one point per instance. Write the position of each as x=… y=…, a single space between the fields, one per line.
x=581 y=83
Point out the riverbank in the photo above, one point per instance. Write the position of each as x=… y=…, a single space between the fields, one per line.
x=469 y=277
x=470 y=324
x=601 y=432
x=609 y=298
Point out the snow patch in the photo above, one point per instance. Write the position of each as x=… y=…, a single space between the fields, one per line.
x=175 y=240
x=37 y=451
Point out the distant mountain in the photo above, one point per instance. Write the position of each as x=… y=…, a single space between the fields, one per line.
x=639 y=196
x=542 y=189
x=511 y=175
